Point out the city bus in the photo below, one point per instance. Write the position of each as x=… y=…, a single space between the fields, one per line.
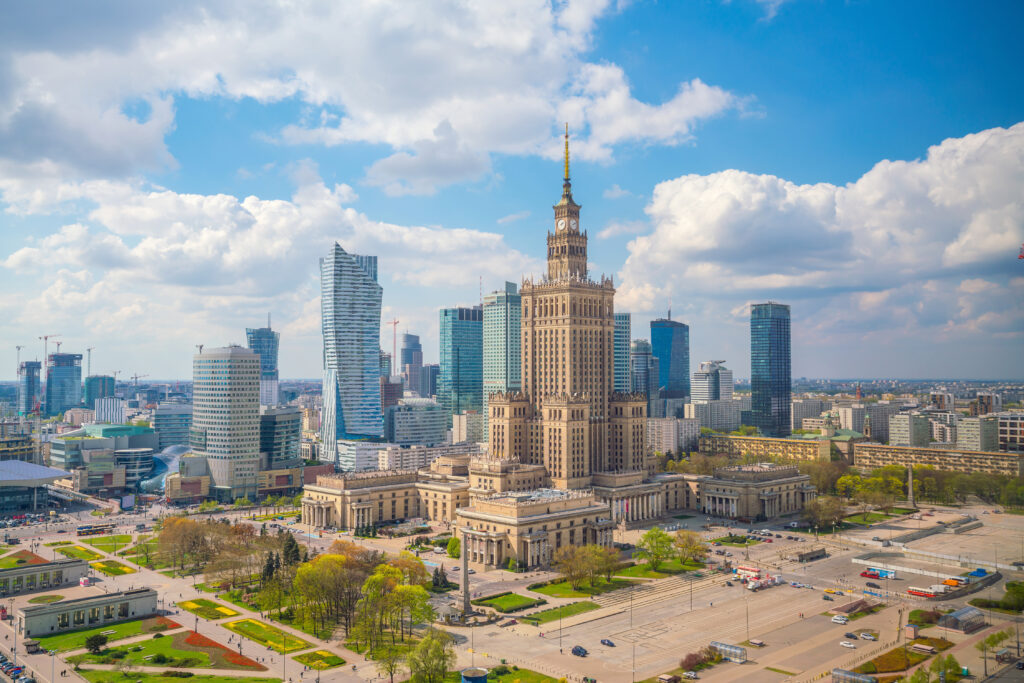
x=95 y=529
x=921 y=592
x=748 y=572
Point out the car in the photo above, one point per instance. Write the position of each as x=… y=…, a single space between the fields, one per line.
x=846 y=643
x=579 y=651
x=872 y=584
x=1020 y=664
x=728 y=554
x=868 y=636
x=456 y=568
x=876 y=538
x=716 y=543
x=831 y=590
x=62 y=531
x=605 y=641
x=852 y=636
x=471 y=571
x=767 y=540
x=728 y=583
x=692 y=675
x=827 y=597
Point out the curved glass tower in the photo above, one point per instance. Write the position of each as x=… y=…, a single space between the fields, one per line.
x=770 y=373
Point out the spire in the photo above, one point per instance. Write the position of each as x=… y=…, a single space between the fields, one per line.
x=567 y=151
x=268 y=320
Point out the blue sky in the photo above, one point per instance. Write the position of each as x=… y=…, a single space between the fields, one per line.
x=168 y=178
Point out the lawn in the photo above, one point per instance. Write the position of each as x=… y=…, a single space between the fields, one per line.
x=562 y=589
x=57 y=543
x=45 y=599
x=182 y=650
x=866 y=519
x=901 y=511
x=863 y=613
x=735 y=541
x=268 y=635
x=20 y=558
x=207 y=609
x=112 y=567
x=73 y=640
x=555 y=613
x=508 y=602
x=666 y=568
x=110 y=544
x=80 y=553
x=896 y=659
x=319 y=660
x=509 y=675
x=115 y=677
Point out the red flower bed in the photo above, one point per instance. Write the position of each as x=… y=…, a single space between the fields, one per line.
x=199 y=640
x=164 y=621
x=241 y=660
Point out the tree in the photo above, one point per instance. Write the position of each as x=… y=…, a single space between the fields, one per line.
x=453 y=547
x=432 y=657
x=569 y=561
x=824 y=511
x=952 y=665
x=921 y=676
x=95 y=644
x=389 y=661
x=655 y=546
x=689 y=546
x=848 y=485
x=412 y=568
x=290 y=554
x=607 y=561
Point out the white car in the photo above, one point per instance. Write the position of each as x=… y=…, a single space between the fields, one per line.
x=846 y=643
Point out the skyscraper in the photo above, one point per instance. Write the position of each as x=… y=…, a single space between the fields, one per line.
x=770 y=371
x=670 y=344
x=226 y=418
x=28 y=386
x=502 y=364
x=460 y=383
x=712 y=382
x=643 y=368
x=265 y=342
x=428 y=380
x=411 y=358
x=623 y=335
x=280 y=436
x=63 y=382
x=97 y=386
x=350 y=301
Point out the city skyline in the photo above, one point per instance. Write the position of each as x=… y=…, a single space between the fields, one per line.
x=871 y=188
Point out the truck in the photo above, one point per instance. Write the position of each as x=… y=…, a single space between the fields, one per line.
x=882 y=573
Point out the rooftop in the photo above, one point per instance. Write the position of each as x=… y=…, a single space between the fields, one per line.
x=19 y=473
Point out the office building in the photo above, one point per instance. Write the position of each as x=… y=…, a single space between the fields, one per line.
x=28 y=386
x=910 y=430
x=226 y=418
x=643 y=369
x=986 y=402
x=1011 y=432
x=978 y=433
x=265 y=342
x=350 y=301
x=722 y=416
x=280 y=435
x=712 y=382
x=391 y=392
x=870 y=456
x=416 y=421
x=801 y=408
x=502 y=359
x=856 y=416
x=670 y=344
x=171 y=422
x=385 y=364
x=109 y=410
x=467 y=427
x=941 y=399
x=359 y=455
x=672 y=435
x=63 y=382
x=428 y=380
x=97 y=386
x=460 y=384
x=418 y=457
x=621 y=340
x=770 y=373
x=411 y=357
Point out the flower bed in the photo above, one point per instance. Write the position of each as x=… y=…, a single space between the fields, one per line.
x=20 y=558
x=111 y=567
x=268 y=635
x=80 y=552
x=207 y=609
x=45 y=599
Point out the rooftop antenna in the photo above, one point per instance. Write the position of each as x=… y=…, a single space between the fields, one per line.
x=669 y=306
x=268 y=320
x=200 y=347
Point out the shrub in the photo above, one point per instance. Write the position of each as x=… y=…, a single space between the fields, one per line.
x=690 y=661
x=500 y=670
x=158 y=635
x=159 y=658
x=177 y=674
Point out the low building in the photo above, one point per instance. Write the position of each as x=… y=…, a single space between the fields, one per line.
x=23 y=486
x=416 y=421
x=418 y=457
x=97 y=610
x=1011 y=432
x=191 y=483
x=766 y=447
x=868 y=456
x=279 y=481
x=529 y=526
x=33 y=577
x=756 y=492
x=15 y=444
x=359 y=499
x=358 y=455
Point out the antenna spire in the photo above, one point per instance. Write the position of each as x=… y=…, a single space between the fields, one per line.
x=567 y=151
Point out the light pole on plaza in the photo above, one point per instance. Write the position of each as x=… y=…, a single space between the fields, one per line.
x=52 y=653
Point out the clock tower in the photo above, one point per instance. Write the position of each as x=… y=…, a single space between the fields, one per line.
x=567 y=246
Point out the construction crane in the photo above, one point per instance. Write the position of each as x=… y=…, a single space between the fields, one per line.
x=88 y=363
x=46 y=354
x=19 y=347
x=58 y=343
x=136 y=377
x=394 y=345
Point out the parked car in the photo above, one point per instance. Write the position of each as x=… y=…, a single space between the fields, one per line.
x=852 y=636
x=827 y=597
x=579 y=651
x=692 y=675
x=728 y=583
x=471 y=571
x=868 y=636
x=848 y=644
x=872 y=584
x=605 y=641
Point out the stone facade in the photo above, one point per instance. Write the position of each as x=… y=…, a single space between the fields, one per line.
x=35 y=577
x=868 y=456
x=766 y=447
x=72 y=615
x=756 y=492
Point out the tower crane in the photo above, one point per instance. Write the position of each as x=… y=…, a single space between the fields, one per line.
x=19 y=347
x=58 y=343
x=136 y=377
x=88 y=363
x=46 y=354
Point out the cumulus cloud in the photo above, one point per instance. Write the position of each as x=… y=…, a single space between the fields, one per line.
x=911 y=245
x=616 y=192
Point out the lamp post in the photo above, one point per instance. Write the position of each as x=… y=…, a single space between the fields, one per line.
x=52 y=653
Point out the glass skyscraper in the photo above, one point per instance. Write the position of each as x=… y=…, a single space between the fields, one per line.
x=411 y=361
x=266 y=342
x=620 y=344
x=502 y=366
x=28 y=386
x=770 y=372
x=63 y=382
x=670 y=344
x=98 y=386
x=460 y=383
x=350 y=301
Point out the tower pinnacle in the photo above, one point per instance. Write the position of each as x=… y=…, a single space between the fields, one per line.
x=567 y=151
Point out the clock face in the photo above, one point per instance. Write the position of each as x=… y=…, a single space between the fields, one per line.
x=572 y=224
x=561 y=224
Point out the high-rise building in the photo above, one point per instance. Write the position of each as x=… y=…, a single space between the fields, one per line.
x=623 y=335
x=906 y=429
x=670 y=344
x=770 y=371
x=391 y=392
x=226 y=418
x=110 y=410
x=280 y=436
x=411 y=356
x=385 y=364
x=63 y=382
x=460 y=384
x=1011 y=431
x=643 y=368
x=942 y=399
x=502 y=360
x=978 y=433
x=712 y=382
x=97 y=386
x=28 y=386
x=467 y=427
x=806 y=407
x=416 y=422
x=350 y=301
x=428 y=380
x=986 y=402
x=171 y=422
x=265 y=342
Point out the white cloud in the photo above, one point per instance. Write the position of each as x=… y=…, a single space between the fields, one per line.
x=513 y=217
x=616 y=192
x=621 y=228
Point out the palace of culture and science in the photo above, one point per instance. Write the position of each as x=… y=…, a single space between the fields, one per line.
x=568 y=459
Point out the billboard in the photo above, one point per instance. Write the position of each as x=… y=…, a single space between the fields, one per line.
x=128 y=502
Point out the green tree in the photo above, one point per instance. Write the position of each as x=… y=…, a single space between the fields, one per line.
x=689 y=546
x=95 y=643
x=952 y=665
x=848 y=485
x=920 y=676
x=389 y=661
x=655 y=546
x=570 y=562
x=432 y=658
x=453 y=547
x=290 y=554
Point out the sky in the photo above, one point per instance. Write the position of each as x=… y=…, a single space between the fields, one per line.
x=170 y=174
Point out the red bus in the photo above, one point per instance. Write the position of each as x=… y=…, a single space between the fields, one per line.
x=921 y=592
x=748 y=572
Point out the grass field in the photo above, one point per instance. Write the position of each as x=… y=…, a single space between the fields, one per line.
x=20 y=558
x=112 y=568
x=521 y=675
x=57 y=543
x=869 y=518
x=321 y=660
x=80 y=552
x=182 y=650
x=110 y=544
x=894 y=660
x=62 y=642
x=207 y=609
x=45 y=599
x=509 y=602
x=735 y=541
x=563 y=612
x=667 y=568
x=562 y=589
x=116 y=677
x=268 y=635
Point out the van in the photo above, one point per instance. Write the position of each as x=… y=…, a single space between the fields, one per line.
x=840 y=619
